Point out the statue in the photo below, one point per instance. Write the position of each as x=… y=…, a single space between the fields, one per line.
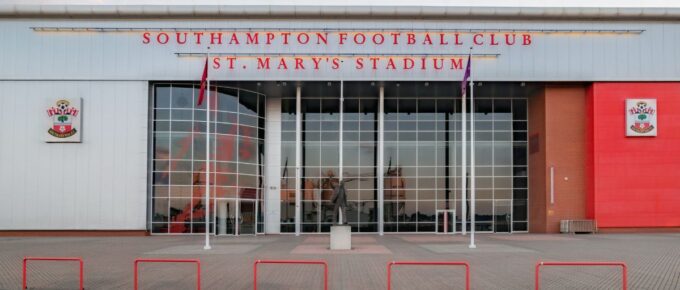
x=339 y=200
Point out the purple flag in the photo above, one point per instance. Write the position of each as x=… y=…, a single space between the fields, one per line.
x=466 y=76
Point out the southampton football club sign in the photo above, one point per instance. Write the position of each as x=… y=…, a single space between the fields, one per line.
x=63 y=117
x=641 y=117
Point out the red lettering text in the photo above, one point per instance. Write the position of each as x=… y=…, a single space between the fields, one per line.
x=181 y=41
x=411 y=38
x=475 y=39
x=457 y=63
x=234 y=39
x=378 y=36
x=162 y=38
x=493 y=39
x=507 y=39
x=316 y=61
x=359 y=63
x=198 y=36
x=360 y=36
x=252 y=38
x=282 y=64
x=322 y=37
x=262 y=63
x=285 y=37
x=343 y=37
x=441 y=39
x=427 y=39
x=395 y=36
x=270 y=37
x=298 y=63
x=217 y=37
x=303 y=38
x=409 y=63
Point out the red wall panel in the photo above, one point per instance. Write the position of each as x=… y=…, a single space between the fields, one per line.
x=633 y=181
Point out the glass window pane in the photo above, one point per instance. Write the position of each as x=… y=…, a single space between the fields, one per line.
x=162 y=96
x=502 y=109
x=483 y=109
x=519 y=109
x=182 y=96
x=519 y=153
x=227 y=99
x=502 y=154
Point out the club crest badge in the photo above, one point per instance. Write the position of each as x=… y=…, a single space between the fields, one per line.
x=641 y=117
x=64 y=121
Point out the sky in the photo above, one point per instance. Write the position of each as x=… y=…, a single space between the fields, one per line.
x=453 y=3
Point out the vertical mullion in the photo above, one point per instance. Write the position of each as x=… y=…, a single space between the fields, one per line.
x=170 y=134
x=298 y=157
x=512 y=168
x=417 y=164
x=151 y=207
x=237 y=213
x=340 y=161
x=381 y=160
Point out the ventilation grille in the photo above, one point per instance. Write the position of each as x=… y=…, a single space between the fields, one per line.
x=578 y=226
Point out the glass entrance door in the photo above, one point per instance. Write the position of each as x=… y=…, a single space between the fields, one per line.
x=503 y=217
x=225 y=219
x=247 y=217
x=235 y=216
x=446 y=221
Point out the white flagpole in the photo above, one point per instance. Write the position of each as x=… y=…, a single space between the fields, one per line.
x=207 y=162
x=463 y=173
x=472 y=157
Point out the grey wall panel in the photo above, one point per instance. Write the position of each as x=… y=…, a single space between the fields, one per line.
x=97 y=184
x=650 y=55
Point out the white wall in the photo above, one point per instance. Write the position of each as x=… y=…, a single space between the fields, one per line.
x=272 y=171
x=648 y=56
x=97 y=184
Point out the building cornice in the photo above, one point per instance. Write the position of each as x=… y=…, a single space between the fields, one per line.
x=337 y=12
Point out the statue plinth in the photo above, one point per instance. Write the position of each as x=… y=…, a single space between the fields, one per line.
x=341 y=237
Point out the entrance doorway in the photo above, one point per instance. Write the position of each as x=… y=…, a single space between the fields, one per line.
x=235 y=217
x=503 y=217
x=446 y=221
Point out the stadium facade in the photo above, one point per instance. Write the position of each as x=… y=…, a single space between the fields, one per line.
x=576 y=111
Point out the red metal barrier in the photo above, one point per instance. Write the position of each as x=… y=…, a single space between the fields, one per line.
x=142 y=260
x=429 y=263
x=623 y=266
x=25 y=263
x=303 y=262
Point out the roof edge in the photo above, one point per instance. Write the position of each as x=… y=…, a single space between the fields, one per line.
x=318 y=11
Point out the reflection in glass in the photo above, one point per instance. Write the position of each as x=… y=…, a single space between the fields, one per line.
x=179 y=157
x=422 y=154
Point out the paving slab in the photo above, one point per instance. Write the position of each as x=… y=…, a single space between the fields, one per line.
x=504 y=262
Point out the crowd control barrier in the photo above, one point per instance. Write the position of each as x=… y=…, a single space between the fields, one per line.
x=59 y=259
x=143 y=260
x=429 y=263
x=301 y=262
x=623 y=266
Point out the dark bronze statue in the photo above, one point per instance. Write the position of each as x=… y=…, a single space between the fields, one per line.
x=339 y=200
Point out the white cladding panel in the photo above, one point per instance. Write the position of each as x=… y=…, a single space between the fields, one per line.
x=272 y=147
x=650 y=55
x=99 y=184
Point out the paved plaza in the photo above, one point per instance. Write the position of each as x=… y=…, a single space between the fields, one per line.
x=499 y=262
